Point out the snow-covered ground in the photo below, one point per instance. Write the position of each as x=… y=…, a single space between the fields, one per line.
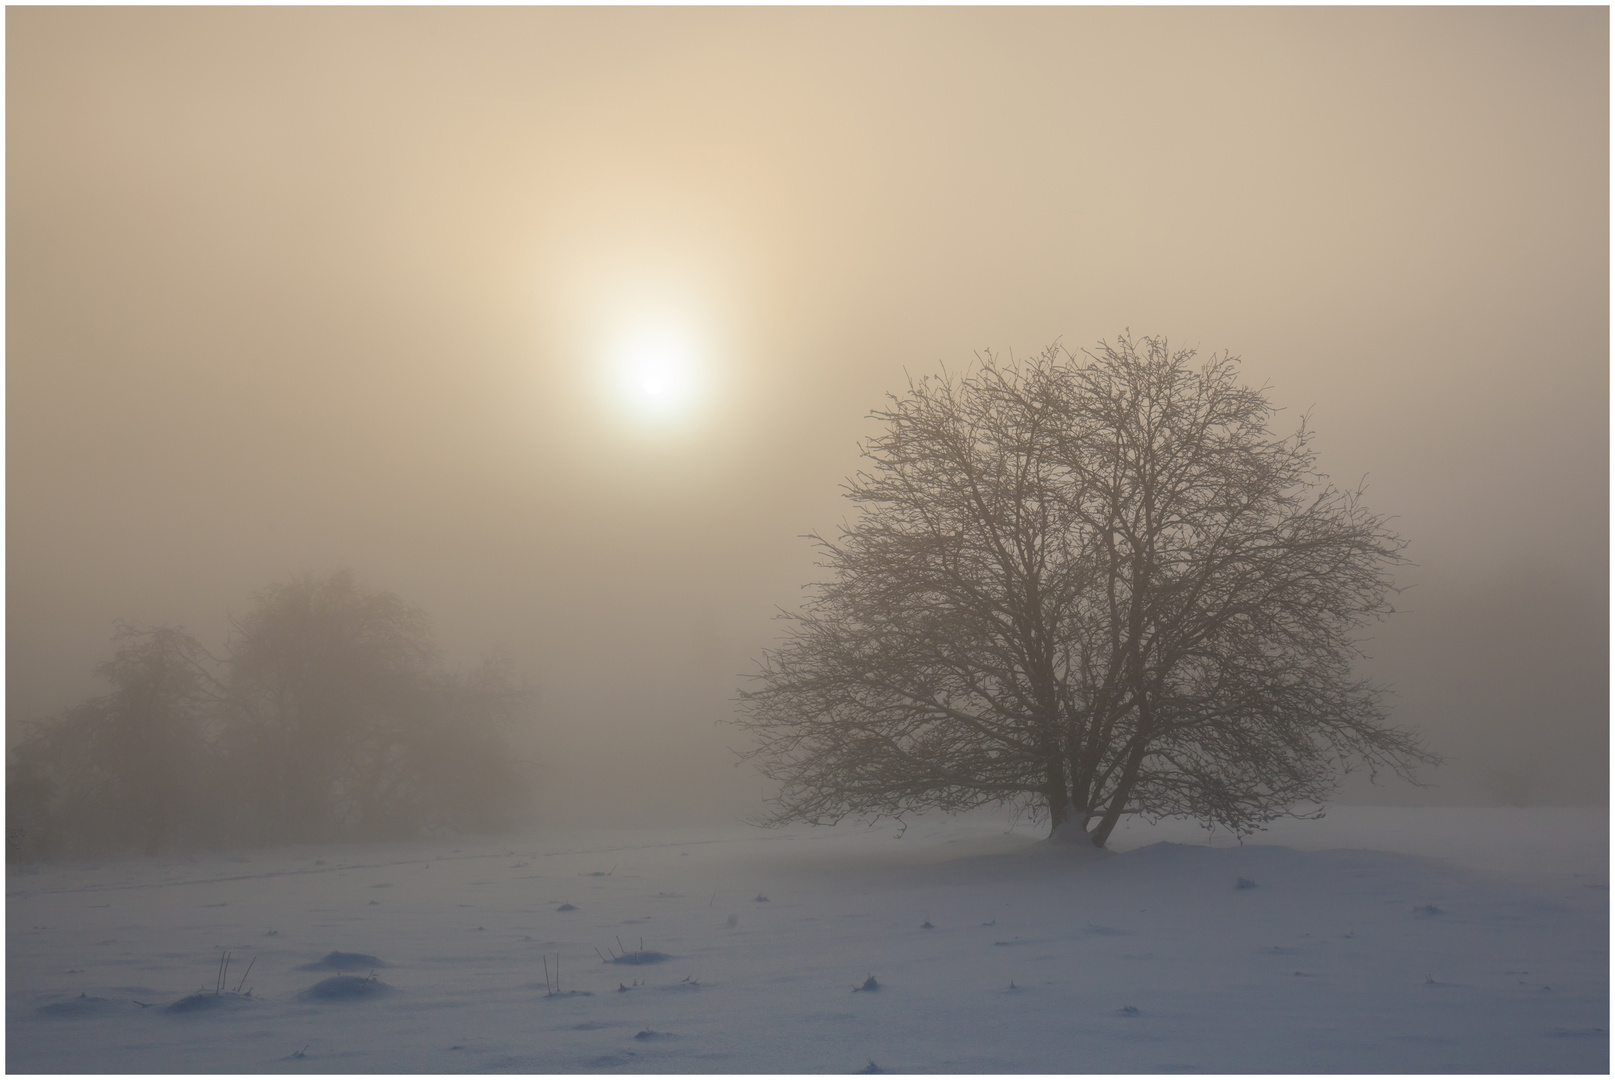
x=1377 y=939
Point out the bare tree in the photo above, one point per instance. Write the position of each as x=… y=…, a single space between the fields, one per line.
x=1087 y=586
x=345 y=723
x=131 y=768
x=320 y=670
x=462 y=770
x=330 y=716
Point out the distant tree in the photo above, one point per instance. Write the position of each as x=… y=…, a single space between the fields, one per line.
x=461 y=772
x=348 y=726
x=31 y=833
x=330 y=716
x=128 y=769
x=322 y=673
x=1087 y=586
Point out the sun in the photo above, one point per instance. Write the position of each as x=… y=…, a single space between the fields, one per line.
x=657 y=377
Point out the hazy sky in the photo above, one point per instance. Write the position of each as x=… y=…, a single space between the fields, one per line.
x=294 y=289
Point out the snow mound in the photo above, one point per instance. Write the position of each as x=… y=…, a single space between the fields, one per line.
x=204 y=1002
x=644 y=956
x=346 y=988
x=344 y=961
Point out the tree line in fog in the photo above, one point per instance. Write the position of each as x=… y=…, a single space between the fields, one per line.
x=329 y=716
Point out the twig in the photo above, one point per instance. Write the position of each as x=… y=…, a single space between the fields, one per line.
x=547 y=989
x=244 y=974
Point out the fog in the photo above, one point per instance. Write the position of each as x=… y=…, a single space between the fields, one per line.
x=291 y=290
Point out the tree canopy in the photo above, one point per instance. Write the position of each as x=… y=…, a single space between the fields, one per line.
x=1087 y=586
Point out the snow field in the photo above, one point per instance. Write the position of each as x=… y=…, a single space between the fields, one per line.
x=1337 y=958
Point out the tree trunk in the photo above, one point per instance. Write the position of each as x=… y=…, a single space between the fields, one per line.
x=1068 y=824
x=1129 y=775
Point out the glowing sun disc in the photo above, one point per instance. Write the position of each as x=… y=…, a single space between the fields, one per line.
x=657 y=376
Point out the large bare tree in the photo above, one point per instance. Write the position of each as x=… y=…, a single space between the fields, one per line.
x=1087 y=586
